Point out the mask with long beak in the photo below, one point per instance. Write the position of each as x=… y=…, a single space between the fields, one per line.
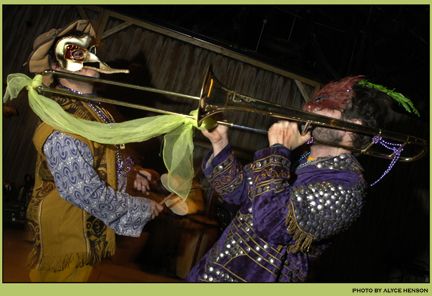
x=75 y=53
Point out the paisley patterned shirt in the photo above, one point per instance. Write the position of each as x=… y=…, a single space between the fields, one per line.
x=70 y=162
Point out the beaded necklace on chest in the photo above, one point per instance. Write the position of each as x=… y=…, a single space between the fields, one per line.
x=123 y=165
x=303 y=159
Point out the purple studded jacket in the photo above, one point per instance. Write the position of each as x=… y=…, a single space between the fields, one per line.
x=283 y=215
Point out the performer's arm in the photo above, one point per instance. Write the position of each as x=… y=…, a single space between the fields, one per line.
x=226 y=176
x=222 y=169
x=70 y=162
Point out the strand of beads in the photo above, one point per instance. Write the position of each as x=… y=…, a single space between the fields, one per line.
x=397 y=150
x=123 y=165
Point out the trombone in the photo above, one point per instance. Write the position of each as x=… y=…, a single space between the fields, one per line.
x=216 y=100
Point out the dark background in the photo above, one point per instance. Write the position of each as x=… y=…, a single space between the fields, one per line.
x=387 y=43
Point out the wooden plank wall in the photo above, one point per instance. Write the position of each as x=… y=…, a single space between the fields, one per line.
x=157 y=57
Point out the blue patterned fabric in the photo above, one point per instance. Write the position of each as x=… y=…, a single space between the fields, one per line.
x=71 y=164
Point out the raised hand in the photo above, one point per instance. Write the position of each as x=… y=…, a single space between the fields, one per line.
x=218 y=137
x=287 y=134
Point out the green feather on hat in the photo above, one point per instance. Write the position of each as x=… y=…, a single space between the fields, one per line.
x=406 y=103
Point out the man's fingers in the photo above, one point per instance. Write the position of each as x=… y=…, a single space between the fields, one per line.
x=159 y=207
x=156 y=209
x=145 y=174
x=142 y=184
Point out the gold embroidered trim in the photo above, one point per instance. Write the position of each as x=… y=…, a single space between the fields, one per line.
x=303 y=239
x=268 y=161
x=227 y=176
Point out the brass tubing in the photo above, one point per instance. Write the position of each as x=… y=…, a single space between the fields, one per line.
x=116 y=83
x=324 y=121
x=98 y=99
x=92 y=98
x=328 y=122
x=245 y=104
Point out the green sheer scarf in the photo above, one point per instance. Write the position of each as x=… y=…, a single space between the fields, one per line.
x=178 y=130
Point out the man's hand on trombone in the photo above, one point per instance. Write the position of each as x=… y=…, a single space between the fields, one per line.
x=286 y=133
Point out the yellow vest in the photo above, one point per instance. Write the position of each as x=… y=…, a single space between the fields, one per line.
x=63 y=233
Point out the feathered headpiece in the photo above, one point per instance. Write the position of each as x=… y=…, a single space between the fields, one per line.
x=406 y=103
x=334 y=95
x=338 y=94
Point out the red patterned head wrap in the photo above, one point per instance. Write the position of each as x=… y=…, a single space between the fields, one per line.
x=334 y=95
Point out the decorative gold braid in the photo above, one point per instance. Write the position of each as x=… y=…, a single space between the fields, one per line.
x=303 y=240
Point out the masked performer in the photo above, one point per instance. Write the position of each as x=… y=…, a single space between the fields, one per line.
x=288 y=212
x=79 y=201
